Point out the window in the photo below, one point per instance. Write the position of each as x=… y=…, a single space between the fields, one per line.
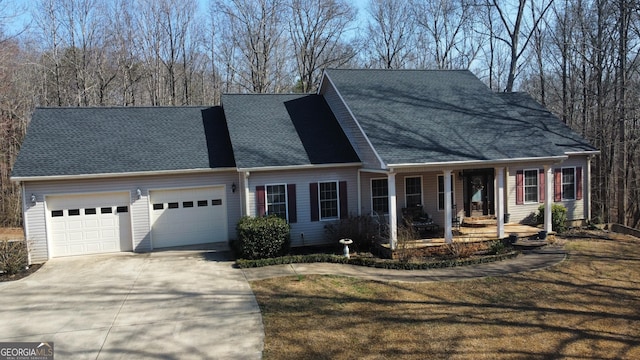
x=202 y=203
x=380 y=196
x=172 y=205
x=57 y=213
x=187 y=204
x=413 y=191
x=215 y=202
x=277 y=200
x=122 y=209
x=105 y=210
x=158 y=206
x=531 y=186
x=90 y=211
x=328 y=200
x=441 y=192
x=74 y=212
x=568 y=184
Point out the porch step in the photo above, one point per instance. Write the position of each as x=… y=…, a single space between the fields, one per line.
x=482 y=221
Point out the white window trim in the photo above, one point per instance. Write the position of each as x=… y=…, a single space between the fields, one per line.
x=320 y=200
x=421 y=189
x=524 y=186
x=575 y=183
x=453 y=190
x=286 y=199
x=371 y=192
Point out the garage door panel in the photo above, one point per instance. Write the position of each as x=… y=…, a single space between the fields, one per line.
x=89 y=224
x=190 y=220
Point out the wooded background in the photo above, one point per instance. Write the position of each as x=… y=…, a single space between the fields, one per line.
x=577 y=57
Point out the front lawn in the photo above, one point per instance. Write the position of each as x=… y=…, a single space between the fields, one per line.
x=586 y=307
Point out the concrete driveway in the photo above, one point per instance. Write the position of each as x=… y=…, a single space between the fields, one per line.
x=161 y=305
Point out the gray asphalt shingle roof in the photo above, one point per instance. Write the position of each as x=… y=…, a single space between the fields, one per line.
x=80 y=141
x=271 y=130
x=537 y=115
x=433 y=116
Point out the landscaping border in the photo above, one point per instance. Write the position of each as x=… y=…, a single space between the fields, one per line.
x=373 y=262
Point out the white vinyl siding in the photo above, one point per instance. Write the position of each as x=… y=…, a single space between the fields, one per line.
x=524 y=213
x=139 y=208
x=304 y=231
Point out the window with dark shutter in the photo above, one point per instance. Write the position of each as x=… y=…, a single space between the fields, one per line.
x=313 y=199
x=519 y=187
x=291 y=203
x=260 y=201
x=344 y=205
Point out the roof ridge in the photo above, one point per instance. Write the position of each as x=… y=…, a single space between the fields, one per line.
x=397 y=70
x=125 y=107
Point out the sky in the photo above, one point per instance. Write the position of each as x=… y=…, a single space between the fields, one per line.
x=21 y=17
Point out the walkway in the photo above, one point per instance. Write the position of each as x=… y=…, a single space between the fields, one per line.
x=534 y=260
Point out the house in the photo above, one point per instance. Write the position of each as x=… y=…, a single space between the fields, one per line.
x=113 y=179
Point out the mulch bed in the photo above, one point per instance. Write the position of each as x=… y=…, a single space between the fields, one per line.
x=22 y=274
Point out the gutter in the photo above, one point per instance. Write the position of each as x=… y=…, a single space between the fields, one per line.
x=475 y=163
x=19 y=179
x=299 y=167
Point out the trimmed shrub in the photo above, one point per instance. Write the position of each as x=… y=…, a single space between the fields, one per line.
x=262 y=237
x=13 y=256
x=361 y=229
x=558 y=217
x=497 y=247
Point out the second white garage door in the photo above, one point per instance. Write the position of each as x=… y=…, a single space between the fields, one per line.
x=188 y=216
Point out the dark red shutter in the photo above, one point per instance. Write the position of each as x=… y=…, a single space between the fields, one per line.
x=557 y=188
x=260 y=199
x=578 y=183
x=541 y=180
x=291 y=203
x=344 y=206
x=519 y=187
x=313 y=199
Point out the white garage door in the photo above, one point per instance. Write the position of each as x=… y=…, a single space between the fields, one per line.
x=188 y=216
x=89 y=224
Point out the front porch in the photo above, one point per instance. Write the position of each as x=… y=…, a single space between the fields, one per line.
x=468 y=234
x=439 y=200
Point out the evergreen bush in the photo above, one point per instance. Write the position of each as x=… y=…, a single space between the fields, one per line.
x=262 y=237
x=558 y=217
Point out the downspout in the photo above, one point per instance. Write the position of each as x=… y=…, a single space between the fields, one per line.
x=24 y=223
x=245 y=183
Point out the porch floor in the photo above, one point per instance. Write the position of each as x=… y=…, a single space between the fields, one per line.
x=475 y=234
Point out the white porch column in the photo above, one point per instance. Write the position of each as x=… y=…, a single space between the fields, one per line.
x=548 y=197
x=245 y=193
x=500 y=202
x=393 y=217
x=448 y=233
x=587 y=191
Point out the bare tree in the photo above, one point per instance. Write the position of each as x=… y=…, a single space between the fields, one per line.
x=390 y=32
x=515 y=30
x=450 y=28
x=317 y=29
x=255 y=29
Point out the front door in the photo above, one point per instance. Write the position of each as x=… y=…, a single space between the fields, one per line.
x=478 y=193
